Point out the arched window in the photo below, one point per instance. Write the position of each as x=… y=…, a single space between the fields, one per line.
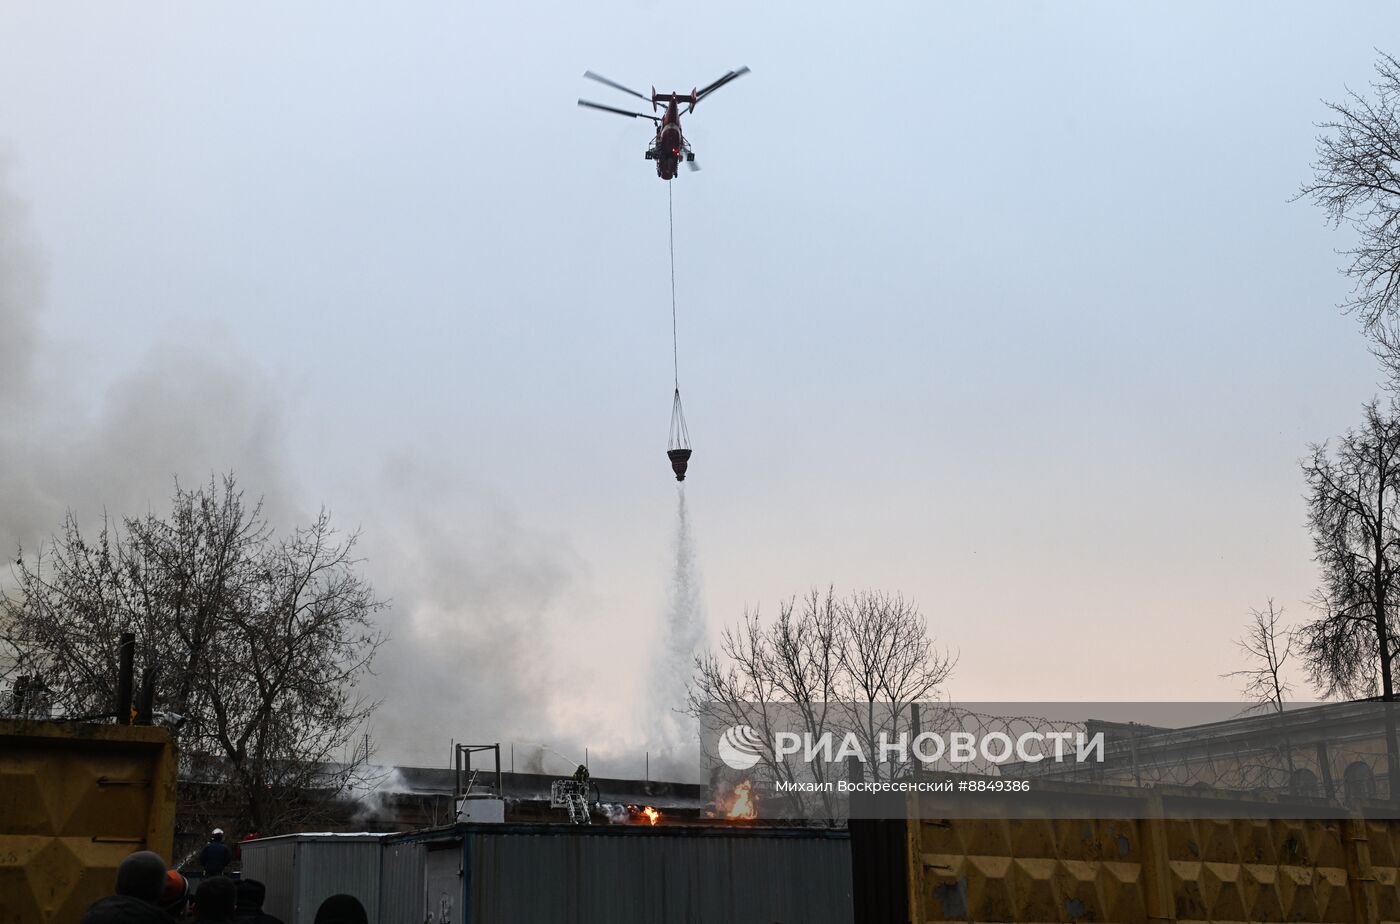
x=1304 y=783
x=1358 y=782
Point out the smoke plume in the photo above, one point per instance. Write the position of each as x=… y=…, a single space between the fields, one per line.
x=371 y=790
x=186 y=409
x=475 y=615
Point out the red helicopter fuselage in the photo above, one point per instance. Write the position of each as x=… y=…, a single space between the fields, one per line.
x=668 y=148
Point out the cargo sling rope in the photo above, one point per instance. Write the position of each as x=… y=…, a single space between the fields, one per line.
x=678 y=447
x=675 y=349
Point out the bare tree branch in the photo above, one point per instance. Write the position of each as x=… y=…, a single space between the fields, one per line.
x=825 y=666
x=1356 y=181
x=1267 y=647
x=258 y=642
x=1354 y=516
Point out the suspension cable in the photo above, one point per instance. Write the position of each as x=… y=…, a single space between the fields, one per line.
x=675 y=351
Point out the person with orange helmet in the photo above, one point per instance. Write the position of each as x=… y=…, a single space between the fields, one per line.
x=136 y=898
x=175 y=897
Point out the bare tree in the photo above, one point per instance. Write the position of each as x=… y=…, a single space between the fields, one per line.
x=1267 y=646
x=888 y=663
x=824 y=666
x=1357 y=182
x=776 y=677
x=258 y=643
x=1354 y=516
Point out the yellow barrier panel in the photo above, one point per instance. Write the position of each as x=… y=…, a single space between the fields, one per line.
x=75 y=799
x=1160 y=867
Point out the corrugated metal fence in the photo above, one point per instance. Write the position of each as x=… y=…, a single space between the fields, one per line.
x=563 y=874
x=303 y=870
x=504 y=874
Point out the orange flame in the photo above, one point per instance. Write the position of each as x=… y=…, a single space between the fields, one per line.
x=745 y=805
x=652 y=814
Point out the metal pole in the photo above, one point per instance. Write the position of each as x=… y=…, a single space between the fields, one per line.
x=1137 y=771
x=915 y=729
x=1324 y=764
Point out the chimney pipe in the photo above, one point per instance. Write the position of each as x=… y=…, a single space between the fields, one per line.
x=126 y=658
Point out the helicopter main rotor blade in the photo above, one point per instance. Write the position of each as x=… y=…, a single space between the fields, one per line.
x=635 y=115
x=615 y=85
x=732 y=75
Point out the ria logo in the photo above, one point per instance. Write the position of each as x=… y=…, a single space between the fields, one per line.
x=740 y=747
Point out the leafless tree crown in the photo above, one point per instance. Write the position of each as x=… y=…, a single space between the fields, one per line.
x=836 y=664
x=1357 y=182
x=258 y=641
x=1354 y=516
x=1268 y=646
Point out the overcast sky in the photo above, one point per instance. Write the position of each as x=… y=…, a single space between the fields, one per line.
x=1003 y=307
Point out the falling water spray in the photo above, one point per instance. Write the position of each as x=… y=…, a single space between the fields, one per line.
x=673 y=733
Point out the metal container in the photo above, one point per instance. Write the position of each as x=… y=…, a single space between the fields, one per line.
x=301 y=871
x=481 y=809
x=504 y=874
x=75 y=800
x=401 y=879
x=680 y=460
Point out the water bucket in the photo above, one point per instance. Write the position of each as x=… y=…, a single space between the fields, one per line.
x=680 y=459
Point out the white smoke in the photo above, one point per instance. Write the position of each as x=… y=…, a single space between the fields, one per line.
x=476 y=615
x=185 y=409
x=371 y=790
x=470 y=588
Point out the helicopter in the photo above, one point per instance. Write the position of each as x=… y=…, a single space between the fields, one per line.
x=669 y=146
